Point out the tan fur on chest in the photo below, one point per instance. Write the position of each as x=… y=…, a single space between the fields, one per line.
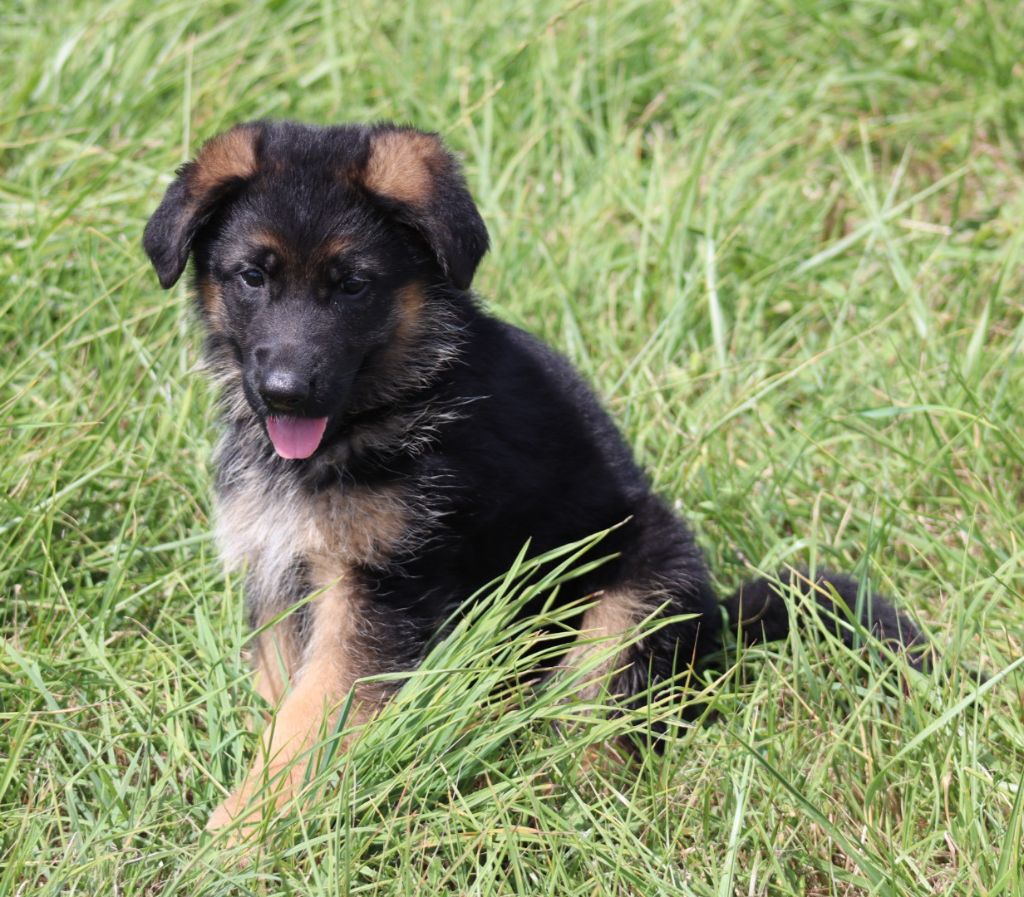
x=272 y=531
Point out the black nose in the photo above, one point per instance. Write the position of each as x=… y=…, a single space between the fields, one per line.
x=284 y=390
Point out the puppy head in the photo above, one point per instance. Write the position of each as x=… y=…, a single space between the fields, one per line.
x=322 y=255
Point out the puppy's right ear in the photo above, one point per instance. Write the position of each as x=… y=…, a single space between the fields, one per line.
x=222 y=167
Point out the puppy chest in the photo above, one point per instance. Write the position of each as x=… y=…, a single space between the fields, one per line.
x=271 y=532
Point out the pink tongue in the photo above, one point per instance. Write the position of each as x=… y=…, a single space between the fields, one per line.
x=296 y=437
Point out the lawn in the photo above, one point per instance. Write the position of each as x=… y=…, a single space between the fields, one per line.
x=784 y=242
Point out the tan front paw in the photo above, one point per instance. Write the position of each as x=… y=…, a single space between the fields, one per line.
x=228 y=813
x=221 y=818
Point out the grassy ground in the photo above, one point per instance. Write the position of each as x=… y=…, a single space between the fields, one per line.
x=783 y=239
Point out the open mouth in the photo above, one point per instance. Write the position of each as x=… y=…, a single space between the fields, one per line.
x=296 y=437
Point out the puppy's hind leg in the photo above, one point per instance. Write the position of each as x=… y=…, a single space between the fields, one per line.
x=635 y=639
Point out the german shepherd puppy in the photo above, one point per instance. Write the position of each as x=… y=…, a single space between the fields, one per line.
x=390 y=446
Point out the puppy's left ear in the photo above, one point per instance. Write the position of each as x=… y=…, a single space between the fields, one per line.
x=221 y=168
x=426 y=189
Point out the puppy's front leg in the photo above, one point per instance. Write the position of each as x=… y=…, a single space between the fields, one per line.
x=327 y=675
x=275 y=661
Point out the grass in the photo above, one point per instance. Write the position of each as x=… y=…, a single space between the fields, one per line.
x=783 y=240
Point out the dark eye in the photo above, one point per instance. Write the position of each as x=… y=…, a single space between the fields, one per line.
x=353 y=286
x=253 y=277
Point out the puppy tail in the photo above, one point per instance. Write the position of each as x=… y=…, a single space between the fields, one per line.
x=759 y=613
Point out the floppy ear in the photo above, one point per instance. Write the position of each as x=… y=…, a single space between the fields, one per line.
x=414 y=171
x=222 y=166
